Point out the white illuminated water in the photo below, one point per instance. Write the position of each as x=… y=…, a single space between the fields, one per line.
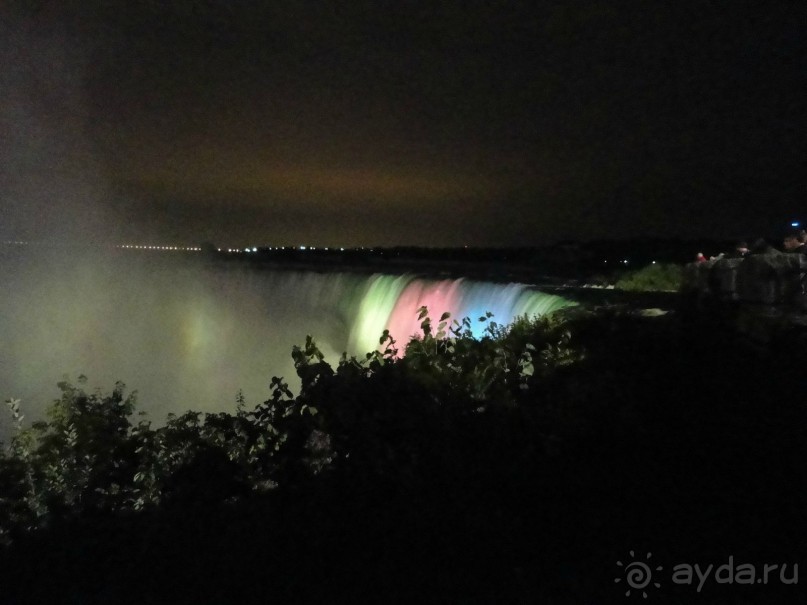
x=190 y=335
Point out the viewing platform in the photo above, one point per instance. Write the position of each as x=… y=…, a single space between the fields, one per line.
x=762 y=295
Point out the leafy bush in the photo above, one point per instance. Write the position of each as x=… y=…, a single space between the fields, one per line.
x=379 y=417
x=470 y=470
x=652 y=278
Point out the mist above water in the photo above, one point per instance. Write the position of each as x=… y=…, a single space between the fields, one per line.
x=187 y=333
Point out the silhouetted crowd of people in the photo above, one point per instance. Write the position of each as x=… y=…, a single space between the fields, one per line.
x=794 y=242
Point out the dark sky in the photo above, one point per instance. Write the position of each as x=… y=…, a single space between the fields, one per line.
x=374 y=122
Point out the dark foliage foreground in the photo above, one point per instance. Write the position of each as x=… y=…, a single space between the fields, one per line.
x=514 y=469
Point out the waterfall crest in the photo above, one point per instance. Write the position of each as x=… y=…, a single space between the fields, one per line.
x=190 y=335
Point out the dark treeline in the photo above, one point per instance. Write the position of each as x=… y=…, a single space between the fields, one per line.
x=600 y=262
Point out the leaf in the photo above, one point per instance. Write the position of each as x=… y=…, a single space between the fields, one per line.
x=445 y=316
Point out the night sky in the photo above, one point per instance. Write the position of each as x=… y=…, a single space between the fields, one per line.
x=400 y=123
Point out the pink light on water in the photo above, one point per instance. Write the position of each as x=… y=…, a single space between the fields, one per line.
x=439 y=297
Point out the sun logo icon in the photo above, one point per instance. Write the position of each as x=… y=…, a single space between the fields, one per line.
x=638 y=575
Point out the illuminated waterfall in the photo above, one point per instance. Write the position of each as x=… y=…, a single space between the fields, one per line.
x=392 y=303
x=189 y=337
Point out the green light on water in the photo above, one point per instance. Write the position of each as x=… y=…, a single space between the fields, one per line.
x=374 y=311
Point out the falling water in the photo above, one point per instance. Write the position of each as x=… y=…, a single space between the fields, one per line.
x=190 y=335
